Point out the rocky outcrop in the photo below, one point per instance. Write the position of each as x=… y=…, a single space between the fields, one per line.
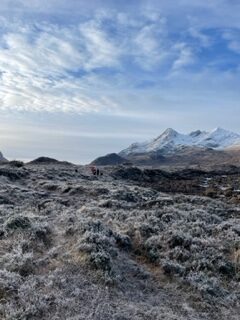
x=2 y=159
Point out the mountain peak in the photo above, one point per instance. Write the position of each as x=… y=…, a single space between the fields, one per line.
x=170 y=131
x=219 y=129
x=167 y=134
x=170 y=140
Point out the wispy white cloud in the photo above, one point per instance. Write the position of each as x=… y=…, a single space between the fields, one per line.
x=150 y=44
x=185 y=56
x=232 y=36
x=49 y=67
x=38 y=65
x=100 y=50
x=86 y=64
x=204 y=40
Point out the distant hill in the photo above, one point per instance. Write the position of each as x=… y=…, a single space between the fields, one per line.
x=46 y=160
x=109 y=159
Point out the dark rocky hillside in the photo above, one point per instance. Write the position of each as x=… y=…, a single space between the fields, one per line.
x=219 y=183
x=110 y=159
x=47 y=161
x=185 y=157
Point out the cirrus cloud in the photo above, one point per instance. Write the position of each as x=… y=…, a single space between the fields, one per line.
x=53 y=63
x=49 y=67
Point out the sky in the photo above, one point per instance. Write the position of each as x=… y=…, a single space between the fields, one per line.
x=79 y=79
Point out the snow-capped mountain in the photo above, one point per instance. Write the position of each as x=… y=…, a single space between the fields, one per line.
x=170 y=140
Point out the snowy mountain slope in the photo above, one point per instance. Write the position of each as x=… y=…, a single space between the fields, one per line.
x=171 y=140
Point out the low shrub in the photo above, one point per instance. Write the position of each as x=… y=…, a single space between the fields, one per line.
x=18 y=222
x=98 y=242
x=42 y=232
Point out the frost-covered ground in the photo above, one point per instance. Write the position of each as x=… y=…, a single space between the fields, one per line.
x=73 y=246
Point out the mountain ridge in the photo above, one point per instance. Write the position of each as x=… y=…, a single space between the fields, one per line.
x=170 y=140
x=171 y=148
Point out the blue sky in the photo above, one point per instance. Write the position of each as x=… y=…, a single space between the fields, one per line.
x=79 y=79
